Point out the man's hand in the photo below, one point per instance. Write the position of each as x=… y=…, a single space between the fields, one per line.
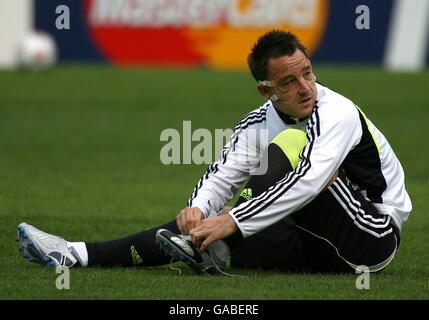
x=212 y=229
x=188 y=219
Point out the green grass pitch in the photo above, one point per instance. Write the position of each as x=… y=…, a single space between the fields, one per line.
x=79 y=157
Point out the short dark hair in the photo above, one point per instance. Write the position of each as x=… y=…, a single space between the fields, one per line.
x=273 y=44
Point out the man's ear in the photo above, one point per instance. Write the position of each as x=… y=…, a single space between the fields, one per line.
x=264 y=91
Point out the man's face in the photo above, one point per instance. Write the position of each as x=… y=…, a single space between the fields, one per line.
x=294 y=84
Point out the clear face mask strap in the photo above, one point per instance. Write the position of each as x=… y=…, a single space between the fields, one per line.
x=266 y=83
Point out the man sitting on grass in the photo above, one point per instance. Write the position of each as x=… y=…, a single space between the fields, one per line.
x=332 y=197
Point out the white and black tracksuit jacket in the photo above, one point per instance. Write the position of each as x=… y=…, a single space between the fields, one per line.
x=338 y=135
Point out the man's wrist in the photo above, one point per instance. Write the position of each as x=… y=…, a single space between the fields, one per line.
x=202 y=209
x=224 y=210
x=237 y=224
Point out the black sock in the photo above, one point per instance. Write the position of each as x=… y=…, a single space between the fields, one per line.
x=137 y=249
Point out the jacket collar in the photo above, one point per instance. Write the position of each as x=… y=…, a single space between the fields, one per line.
x=288 y=119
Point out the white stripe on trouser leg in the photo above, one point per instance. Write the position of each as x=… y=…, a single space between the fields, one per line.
x=373 y=268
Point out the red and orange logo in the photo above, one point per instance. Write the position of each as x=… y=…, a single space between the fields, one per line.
x=216 y=33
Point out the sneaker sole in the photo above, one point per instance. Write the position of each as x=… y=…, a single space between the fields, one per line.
x=30 y=250
x=175 y=252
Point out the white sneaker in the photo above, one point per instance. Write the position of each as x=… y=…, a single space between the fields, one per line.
x=43 y=248
x=181 y=248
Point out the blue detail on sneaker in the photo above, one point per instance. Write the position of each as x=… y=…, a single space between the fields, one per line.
x=43 y=248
